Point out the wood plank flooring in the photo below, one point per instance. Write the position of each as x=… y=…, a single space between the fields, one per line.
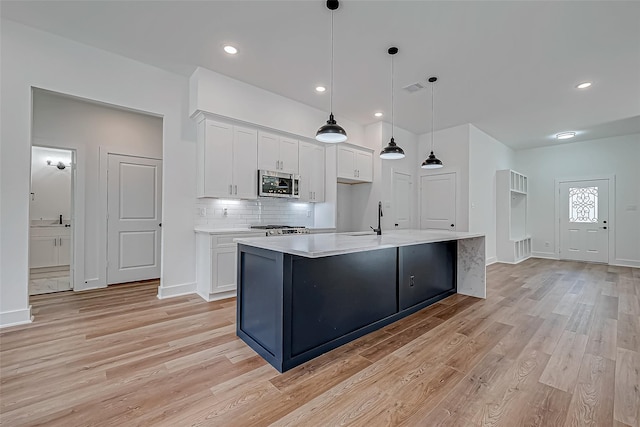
x=554 y=344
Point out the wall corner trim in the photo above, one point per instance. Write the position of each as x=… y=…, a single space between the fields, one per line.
x=176 y=290
x=491 y=260
x=16 y=317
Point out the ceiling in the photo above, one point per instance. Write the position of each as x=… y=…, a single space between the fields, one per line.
x=509 y=68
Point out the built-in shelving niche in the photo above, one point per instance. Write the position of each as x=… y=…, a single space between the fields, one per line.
x=513 y=243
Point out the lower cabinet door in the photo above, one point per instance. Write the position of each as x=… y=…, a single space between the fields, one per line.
x=43 y=252
x=425 y=271
x=64 y=250
x=224 y=275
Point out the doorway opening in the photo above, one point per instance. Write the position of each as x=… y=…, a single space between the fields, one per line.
x=51 y=220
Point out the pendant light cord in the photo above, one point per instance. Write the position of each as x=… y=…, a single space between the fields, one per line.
x=392 y=95
x=432 y=112
x=331 y=92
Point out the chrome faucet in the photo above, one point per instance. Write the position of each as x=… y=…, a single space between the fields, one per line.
x=379 y=229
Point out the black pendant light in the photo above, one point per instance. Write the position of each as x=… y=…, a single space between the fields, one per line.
x=392 y=151
x=332 y=132
x=432 y=162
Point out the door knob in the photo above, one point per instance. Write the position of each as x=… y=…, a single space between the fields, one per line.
x=604 y=228
x=452 y=225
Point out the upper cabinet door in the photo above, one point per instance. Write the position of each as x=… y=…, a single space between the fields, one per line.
x=269 y=151
x=311 y=172
x=215 y=154
x=289 y=155
x=306 y=165
x=318 y=174
x=364 y=165
x=346 y=162
x=245 y=161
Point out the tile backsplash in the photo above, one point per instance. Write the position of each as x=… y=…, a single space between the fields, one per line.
x=223 y=213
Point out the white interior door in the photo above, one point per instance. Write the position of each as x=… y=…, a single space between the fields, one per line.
x=402 y=199
x=438 y=201
x=134 y=218
x=584 y=220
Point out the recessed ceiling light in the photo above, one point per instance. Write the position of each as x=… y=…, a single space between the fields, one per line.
x=583 y=85
x=378 y=114
x=320 y=89
x=230 y=49
x=565 y=135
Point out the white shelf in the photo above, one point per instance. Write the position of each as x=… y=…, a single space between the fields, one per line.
x=513 y=244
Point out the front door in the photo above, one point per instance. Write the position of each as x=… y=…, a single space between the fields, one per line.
x=134 y=189
x=584 y=220
x=438 y=201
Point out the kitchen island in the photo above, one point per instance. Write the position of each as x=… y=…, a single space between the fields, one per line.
x=300 y=296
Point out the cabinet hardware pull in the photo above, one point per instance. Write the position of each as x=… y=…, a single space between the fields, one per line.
x=230 y=189
x=412 y=280
x=55 y=242
x=60 y=241
x=235 y=189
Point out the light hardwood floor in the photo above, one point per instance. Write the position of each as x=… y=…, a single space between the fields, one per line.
x=555 y=343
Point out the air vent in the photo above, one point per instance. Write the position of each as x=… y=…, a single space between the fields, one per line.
x=413 y=87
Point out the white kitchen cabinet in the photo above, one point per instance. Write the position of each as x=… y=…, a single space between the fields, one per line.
x=354 y=164
x=216 y=262
x=513 y=244
x=312 y=168
x=49 y=246
x=364 y=165
x=227 y=160
x=277 y=153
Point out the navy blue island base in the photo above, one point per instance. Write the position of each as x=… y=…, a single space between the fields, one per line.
x=291 y=309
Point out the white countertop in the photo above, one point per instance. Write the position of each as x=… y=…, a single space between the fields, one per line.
x=321 y=245
x=210 y=230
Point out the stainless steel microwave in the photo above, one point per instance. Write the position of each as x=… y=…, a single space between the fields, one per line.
x=278 y=184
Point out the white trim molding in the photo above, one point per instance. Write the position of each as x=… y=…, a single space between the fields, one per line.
x=16 y=317
x=626 y=263
x=544 y=255
x=176 y=290
x=491 y=260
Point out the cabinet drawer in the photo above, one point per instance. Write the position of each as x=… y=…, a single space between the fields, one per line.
x=228 y=239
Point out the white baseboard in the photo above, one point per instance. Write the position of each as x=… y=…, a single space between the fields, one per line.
x=545 y=255
x=626 y=263
x=16 y=317
x=218 y=296
x=176 y=290
x=491 y=260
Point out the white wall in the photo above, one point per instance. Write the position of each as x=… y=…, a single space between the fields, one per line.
x=486 y=156
x=50 y=186
x=619 y=156
x=345 y=208
x=227 y=97
x=452 y=147
x=31 y=58
x=88 y=127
